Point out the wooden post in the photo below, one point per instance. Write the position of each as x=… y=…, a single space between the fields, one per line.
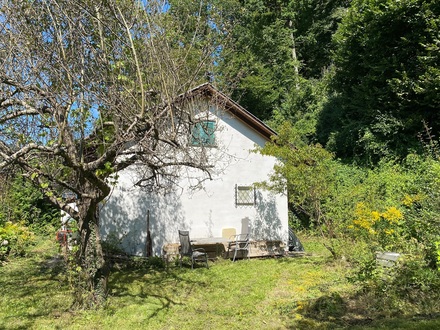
x=149 y=247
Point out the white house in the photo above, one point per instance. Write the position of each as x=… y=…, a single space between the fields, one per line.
x=225 y=204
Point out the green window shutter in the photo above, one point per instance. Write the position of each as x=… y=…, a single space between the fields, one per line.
x=203 y=133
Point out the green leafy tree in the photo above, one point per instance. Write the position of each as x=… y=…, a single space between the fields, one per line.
x=386 y=80
x=307 y=171
x=358 y=211
x=277 y=45
x=22 y=203
x=23 y=211
x=302 y=107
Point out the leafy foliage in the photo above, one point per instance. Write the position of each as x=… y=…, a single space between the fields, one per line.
x=23 y=211
x=277 y=44
x=392 y=207
x=23 y=203
x=386 y=80
x=308 y=173
x=14 y=238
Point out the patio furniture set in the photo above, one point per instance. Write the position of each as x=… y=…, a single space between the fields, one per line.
x=235 y=243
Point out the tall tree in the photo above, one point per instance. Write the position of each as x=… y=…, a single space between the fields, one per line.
x=387 y=78
x=88 y=88
x=278 y=44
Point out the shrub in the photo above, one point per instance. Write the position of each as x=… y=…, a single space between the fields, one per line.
x=21 y=202
x=410 y=283
x=14 y=238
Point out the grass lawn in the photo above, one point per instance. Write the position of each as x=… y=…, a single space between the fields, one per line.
x=311 y=292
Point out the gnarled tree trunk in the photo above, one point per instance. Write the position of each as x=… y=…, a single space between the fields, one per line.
x=88 y=268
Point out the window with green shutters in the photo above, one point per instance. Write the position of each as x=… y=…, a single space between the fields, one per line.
x=203 y=133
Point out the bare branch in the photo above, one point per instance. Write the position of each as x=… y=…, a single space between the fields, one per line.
x=136 y=61
x=29 y=110
x=10 y=157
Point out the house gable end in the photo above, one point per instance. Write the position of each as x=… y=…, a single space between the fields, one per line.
x=230 y=106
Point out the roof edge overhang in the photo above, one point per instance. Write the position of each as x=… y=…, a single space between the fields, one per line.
x=232 y=107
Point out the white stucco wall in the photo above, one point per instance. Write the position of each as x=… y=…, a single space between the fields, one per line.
x=206 y=211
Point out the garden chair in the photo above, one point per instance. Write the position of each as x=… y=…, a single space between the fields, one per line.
x=239 y=243
x=186 y=250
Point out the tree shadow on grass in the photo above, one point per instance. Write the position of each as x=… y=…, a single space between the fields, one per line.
x=155 y=290
x=31 y=288
x=53 y=266
x=22 y=280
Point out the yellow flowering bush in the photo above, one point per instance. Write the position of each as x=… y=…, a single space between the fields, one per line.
x=380 y=226
x=392 y=215
x=14 y=237
x=364 y=217
x=410 y=200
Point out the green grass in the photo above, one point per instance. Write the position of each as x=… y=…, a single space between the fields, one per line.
x=311 y=292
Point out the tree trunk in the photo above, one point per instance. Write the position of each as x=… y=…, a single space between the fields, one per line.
x=89 y=270
x=294 y=56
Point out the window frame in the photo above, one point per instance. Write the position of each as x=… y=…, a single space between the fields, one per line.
x=249 y=200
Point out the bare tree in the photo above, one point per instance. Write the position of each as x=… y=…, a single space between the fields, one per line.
x=88 y=88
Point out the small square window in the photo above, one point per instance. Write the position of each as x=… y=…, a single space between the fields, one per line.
x=244 y=196
x=203 y=133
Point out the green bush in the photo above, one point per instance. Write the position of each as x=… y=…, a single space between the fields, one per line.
x=413 y=278
x=14 y=238
x=21 y=202
x=409 y=284
x=112 y=244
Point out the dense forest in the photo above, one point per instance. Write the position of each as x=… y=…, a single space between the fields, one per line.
x=359 y=77
x=352 y=88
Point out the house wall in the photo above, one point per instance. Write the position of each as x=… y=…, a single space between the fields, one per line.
x=204 y=211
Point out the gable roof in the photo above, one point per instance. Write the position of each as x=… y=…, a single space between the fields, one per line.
x=232 y=107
